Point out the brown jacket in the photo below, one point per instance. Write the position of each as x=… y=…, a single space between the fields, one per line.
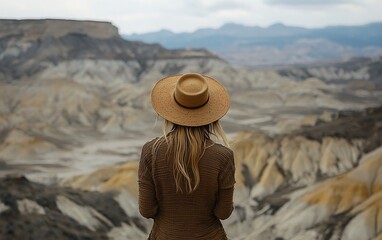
x=183 y=215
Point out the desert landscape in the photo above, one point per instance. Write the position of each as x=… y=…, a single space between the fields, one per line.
x=75 y=111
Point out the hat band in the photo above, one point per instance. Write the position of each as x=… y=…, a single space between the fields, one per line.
x=199 y=106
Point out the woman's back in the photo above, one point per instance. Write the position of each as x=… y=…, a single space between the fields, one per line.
x=186 y=181
x=189 y=215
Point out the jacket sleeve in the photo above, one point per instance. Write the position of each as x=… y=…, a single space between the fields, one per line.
x=224 y=205
x=148 y=205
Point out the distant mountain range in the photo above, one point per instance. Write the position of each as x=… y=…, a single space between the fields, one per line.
x=277 y=44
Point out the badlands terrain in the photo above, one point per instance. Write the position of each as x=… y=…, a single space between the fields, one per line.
x=75 y=111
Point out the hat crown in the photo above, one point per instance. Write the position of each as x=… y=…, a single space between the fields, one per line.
x=190 y=100
x=191 y=90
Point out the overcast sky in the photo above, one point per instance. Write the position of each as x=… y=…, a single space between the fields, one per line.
x=138 y=16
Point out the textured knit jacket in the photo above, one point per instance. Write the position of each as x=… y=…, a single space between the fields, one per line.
x=193 y=215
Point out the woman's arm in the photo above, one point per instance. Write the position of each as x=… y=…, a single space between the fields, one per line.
x=148 y=205
x=224 y=204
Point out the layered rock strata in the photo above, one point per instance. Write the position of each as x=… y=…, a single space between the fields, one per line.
x=33 y=211
x=317 y=183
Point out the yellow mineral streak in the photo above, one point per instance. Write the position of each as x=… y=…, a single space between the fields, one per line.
x=270 y=180
x=348 y=190
x=108 y=178
x=19 y=145
x=298 y=157
x=338 y=155
x=366 y=222
x=379 y=237
x=91 y=181
x=126 y=177
x=251 y=150
x=339 y=194
x=58 y=93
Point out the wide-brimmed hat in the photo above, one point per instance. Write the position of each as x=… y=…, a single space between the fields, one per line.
x=190 y=99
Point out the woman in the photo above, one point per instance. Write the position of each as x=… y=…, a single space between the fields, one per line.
x=186 y=180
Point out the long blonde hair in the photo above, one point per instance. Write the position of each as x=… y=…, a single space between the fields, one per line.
x=186 y=146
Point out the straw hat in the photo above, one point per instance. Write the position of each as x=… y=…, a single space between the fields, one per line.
x=190 y=99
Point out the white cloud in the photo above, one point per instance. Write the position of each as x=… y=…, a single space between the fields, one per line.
x=45 y=9
x=311 y=2
x=188 y=15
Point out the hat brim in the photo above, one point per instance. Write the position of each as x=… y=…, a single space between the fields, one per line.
x=163 y=102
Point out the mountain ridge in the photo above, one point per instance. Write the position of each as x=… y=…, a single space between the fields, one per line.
x=41 y=28
x=236 y=26
x=53 y=41
x=277 y=44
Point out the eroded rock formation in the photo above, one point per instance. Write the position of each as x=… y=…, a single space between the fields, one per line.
x=317 y=183
x=74 y=101
x=321 y=182
x=34 y=211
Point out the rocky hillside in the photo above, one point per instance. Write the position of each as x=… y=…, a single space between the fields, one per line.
x=36 y=49
x=317 y=183
x=60 y=77
x=297 y=186
x=33 y=211
x=363 y=73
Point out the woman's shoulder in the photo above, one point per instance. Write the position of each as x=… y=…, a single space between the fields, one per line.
x=148 y=146
x=222 y=150
x=150 y=142
x=154 y=140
